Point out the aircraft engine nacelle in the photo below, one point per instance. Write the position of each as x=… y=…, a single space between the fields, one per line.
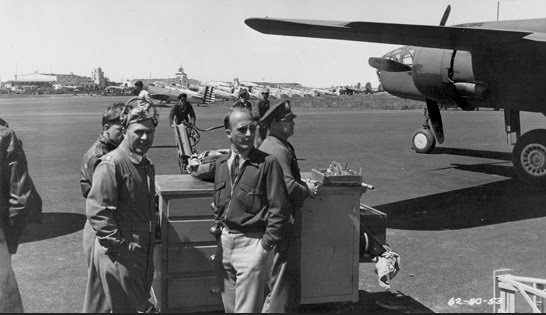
x=447 y=76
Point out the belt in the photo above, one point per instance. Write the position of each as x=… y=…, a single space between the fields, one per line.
x=138 y=226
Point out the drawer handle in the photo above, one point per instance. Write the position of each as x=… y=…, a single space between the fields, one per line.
x=211 y=258
x=215 y=290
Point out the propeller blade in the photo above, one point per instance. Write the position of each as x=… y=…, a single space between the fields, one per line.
x=446 y=15
x=388 y=65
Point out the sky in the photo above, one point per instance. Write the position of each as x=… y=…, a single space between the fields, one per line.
x=132 y=39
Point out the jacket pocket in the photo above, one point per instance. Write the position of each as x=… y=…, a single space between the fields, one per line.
x=249 y=198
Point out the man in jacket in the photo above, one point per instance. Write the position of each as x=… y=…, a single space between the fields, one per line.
x=283 y=282
x=252 y=206
x=109 y=139
x=16 y=189
x=120 y=208
x=182 y=111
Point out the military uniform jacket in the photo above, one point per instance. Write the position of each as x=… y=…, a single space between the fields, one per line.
x=16 y=188
x=121 y=203
x=284 y=152
x=257 y=201
x=90 y=160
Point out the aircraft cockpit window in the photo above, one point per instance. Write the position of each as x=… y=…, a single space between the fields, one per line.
x=407 y=59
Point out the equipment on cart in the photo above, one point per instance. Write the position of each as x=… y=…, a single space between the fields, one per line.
x=187 y=137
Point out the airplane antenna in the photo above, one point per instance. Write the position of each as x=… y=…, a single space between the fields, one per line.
x=498 y=4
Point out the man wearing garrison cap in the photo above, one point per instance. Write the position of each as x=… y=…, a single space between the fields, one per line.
x=283 y=281
x=120 y=208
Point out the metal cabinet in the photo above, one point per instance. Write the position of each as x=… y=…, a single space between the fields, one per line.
x=184 y=279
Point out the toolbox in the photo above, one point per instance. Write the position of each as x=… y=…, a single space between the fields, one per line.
x=335 y=174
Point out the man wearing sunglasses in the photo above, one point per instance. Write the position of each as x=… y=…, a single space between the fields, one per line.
x=283 y=282
x=252 y=207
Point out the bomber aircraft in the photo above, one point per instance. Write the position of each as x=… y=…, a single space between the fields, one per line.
x=499 y=64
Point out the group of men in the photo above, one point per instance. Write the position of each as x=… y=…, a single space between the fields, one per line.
x=258 y=194
x=257 y=200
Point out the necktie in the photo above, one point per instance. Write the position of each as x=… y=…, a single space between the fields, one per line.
x=234 y=168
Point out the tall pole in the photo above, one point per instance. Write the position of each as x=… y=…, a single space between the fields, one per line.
x=498 y=4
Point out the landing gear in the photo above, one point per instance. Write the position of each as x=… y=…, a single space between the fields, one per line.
x=423 y=140
x=529 y=157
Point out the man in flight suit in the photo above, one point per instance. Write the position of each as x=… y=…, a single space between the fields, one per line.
x=121 y=210
x=109 y=139
x=262 y=107
x=283 y=282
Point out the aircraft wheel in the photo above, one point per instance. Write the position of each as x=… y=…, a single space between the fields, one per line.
x=423 y=140
x=529 y=157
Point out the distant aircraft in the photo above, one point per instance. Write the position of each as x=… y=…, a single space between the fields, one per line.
x=254 y=90
x=167 y=93
x=322 y=92
x=116 y=90
x=498 y=64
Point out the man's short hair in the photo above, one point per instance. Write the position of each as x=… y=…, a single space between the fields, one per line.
x=139 y=84
x=182 y=95
x=227 y=122
x=112 y=114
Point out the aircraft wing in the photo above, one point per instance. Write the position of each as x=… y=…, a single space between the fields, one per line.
x=445 y=37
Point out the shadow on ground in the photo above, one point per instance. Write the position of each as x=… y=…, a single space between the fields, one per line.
x=467 y=208
x=376 y=302
x=54 y=225
x=474 y=153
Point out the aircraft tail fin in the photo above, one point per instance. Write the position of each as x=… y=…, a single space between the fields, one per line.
x=209 y=96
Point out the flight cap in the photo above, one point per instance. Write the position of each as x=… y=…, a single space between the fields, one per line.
x=278 y=112
x=265 y=90
x=137 y=114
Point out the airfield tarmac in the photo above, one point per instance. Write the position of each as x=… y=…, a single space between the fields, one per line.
x=454 y=216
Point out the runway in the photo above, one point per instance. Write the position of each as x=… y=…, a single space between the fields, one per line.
x=454 y=216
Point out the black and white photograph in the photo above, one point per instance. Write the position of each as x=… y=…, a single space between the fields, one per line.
x=273 y=156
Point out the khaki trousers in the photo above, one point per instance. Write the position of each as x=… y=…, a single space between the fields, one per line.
x=241 y=269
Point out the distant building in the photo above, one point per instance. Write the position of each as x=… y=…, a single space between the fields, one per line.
x=180 y=78
x=98 y=77
x=58 y=82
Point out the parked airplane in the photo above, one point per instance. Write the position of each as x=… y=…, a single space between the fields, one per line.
x=167 y=93
x=499 y=64
x=322 y=92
